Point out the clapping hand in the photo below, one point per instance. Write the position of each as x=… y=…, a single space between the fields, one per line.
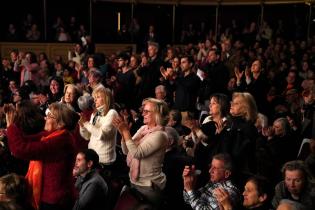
x=223 y=198
x=238 y=74
x=122 y=127
x=10 y=113
x=189 y=177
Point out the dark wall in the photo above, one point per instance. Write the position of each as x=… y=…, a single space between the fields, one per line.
x=104 y=25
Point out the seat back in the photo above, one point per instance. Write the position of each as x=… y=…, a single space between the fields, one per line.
x=130 y=199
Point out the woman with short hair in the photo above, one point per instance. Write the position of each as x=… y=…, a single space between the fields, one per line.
x=146 y=149
x=52 y=154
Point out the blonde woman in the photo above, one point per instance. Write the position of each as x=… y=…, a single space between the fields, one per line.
x=243 y=105
x=71 y=95
x=146 y=150
x=99 y=130
x=243 y=133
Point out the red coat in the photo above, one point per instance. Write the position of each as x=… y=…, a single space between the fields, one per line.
x=57 y=156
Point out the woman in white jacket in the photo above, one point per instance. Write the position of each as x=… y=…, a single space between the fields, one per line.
x=99 y=129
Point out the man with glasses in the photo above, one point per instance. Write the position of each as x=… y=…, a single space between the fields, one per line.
x=220 y=173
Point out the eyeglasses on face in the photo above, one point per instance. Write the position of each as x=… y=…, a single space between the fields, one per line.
x=49 y=114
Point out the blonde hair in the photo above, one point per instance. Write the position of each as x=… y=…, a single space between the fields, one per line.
x=107 y=96
x=248 y=107
x=160 y=110
x=74 y=87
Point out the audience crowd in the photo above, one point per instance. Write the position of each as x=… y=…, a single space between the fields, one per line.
x=223 y=122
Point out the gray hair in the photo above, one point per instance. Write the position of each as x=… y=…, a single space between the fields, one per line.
x=172 y=134
x=160 y=87
x=96 y=73
x=226 y=159
x=85 y=102
x=262 y=120
x=284 y=124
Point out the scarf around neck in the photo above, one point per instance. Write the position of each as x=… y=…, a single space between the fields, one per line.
x=34 y=174
x=134 y=163
x=99 y=112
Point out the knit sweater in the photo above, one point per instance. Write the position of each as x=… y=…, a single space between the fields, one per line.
x=151 y=154
x=57 y=156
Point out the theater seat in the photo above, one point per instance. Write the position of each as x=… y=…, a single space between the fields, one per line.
x=304 y=149
x=130 y=199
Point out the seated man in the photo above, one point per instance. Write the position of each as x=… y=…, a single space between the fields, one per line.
x=295 y=186
x=92 y=188
x=220 y=174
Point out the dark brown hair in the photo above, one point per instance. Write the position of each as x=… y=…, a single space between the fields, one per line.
x=29 y=117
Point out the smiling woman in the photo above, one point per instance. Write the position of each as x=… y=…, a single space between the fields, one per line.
x=51 y=153
x=146 y=149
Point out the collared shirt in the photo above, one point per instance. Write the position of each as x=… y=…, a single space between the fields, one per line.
x=204 y=199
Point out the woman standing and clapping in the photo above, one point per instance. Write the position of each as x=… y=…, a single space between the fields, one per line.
x=146 y=149
x=52 y=155
x=99 y=130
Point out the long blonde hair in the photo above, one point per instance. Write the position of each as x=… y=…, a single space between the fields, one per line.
x=248 y=107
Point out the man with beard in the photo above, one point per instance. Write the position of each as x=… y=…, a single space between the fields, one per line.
x=92 y=188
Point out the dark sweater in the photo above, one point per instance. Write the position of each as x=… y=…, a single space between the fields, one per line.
x=93 y=192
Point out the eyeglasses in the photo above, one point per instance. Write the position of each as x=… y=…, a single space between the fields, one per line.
x=145 y=111
x=49 y=114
